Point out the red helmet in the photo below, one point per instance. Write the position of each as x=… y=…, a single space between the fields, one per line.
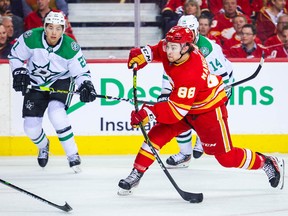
x=180 y=34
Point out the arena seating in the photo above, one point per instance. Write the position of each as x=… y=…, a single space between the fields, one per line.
x=106 y=30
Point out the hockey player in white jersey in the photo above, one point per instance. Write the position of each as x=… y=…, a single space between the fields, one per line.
x=218 y=65
x=53 y=60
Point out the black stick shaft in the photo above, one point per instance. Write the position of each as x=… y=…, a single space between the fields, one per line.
x=52 y=90
x=66 y=207
x=196 y=197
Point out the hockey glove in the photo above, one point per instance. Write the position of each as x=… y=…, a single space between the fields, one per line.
x=144 y=115
x=163 y=97
x=87 y=92
x=21 y=79
x=140 y=56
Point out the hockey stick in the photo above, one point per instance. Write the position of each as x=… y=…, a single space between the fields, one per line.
x=192 y=197
x=52 y=90
x=65 y=207
x=250 y=77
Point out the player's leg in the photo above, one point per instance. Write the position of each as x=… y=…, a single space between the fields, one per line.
x=58 y=103
x=198 y=149
x=59 y=119
x=159 y=135
x=216 y=141
x=181 y=159
x=33 y=129
x=34 y=106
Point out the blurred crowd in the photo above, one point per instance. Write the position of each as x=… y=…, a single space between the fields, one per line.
x=18 y=16
x=243 y=28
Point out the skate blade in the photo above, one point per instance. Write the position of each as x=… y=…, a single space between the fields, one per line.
x=282 y=173
x=76 y=169
x=179 y=166
x=123 y=192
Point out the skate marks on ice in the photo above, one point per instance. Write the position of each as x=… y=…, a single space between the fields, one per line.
x=94 y=190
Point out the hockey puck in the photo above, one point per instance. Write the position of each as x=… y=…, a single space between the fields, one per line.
x=195 y=200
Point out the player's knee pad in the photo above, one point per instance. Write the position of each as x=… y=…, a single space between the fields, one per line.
x=57 y=115
x=33 y=126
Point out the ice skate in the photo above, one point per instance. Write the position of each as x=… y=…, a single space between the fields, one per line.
x=74 y=162
x=274 y=169
x=127 y=185
x=198 y=149
x=178 y=161
x=43 y=156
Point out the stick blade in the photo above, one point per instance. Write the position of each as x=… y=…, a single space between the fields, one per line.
x=192 y=197
x=66 y=207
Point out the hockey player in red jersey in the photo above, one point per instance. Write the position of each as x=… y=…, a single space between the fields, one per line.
x=197 y=100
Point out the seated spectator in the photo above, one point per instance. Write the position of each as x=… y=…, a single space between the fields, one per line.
x=171 y=13
x=248 y=48
x=267 y=19
x=222 y=25
x=174 y=9
x=31 y=5
x=8 y=24
x=5 y=47
x=5 y=10
x=247 y=7
x=36 y=18
x=17 y=8
x=238 y=22
x=191 y=7
x=204 y=28
x=276 y=43
x=256 y=6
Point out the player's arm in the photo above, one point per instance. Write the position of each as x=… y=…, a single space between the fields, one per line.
x=144 y=55
x=168 y=112
x=81 y=73
x=17 y=57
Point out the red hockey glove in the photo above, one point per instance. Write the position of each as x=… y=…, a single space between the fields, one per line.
x=140 y=56
x=144 y=115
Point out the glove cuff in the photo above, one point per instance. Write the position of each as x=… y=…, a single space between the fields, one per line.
x=19 y=71
x=150 y=114
x=147 y=53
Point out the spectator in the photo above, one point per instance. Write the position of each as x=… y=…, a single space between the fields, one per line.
x=275 y=43
x=191 y=7
x=247 y=7
x=204 y=28
x=5 y=47
x=17 y=8
x=248 y=47
x=222 y=25
x=5 y=10
x=36 y=18
x=8 y=24
x=171 y=13
x=256 y=6
x=267 y=19
x=238 y=22
x=31 y=5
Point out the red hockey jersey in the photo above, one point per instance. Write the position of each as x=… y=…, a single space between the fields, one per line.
x=194 y=89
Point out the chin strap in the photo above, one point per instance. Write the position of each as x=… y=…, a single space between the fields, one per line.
x=182 y=54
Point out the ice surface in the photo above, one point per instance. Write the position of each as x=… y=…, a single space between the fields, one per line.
x=94 y=191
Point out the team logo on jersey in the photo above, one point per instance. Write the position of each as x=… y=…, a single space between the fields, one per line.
x=75 y=46
x=204 y=51
x=27 y=34
x=44 y=72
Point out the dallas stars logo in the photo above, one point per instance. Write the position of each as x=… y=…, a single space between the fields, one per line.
x=44 y=72
x=29 y=105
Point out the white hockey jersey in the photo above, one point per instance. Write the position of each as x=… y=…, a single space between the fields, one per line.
x=47 y=64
